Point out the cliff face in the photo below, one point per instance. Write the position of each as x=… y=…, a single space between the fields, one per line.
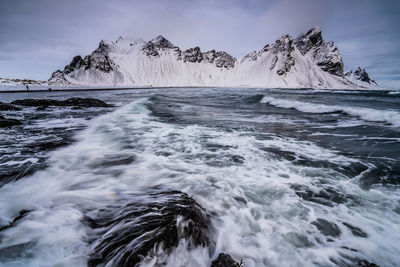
x=306 y=61
x=325 y=54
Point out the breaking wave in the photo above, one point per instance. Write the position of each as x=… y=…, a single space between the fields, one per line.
x=366 y=114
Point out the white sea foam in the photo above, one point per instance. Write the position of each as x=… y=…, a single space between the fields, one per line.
x=258 y=217
x=366 y=114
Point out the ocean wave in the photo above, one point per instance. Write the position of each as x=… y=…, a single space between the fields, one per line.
x=366 y=114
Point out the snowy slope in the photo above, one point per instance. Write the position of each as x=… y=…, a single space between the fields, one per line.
x=307 y=61
x=22 y=82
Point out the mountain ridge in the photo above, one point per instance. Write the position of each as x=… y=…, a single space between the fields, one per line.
x=306 y=61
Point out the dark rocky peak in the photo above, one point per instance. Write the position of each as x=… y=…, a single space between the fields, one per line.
x=104 y=47
x=220 y=58
x=360 y=74
x=306 y=41
x=325 y=54
x=282 y=50
x=152 y=47
x=120 y=39
x=224 y=60
x=150 y=50
x=266 y=48
x=58 y=77
x=161 y=42
x=75 y=63
x=192 y=55
x=209 y=56
x=98 y=61
x=252 y=56
x=283 y=44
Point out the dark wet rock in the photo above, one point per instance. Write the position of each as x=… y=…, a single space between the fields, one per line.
x=355 y=230
x=327 y=228
x=41 y=108
x=21 y=214
x=325 y=54
x=75 y=101
x=351 y=261
x=19 y=251
x=225 y=260
x=325 y=196
x=4 y=122
x=48 y=145
x=112 y=160
x=381 y=173
x=17 y=171
x=365 y=263
x=131 y=229
x=298 y=240
x=280 y=154
x=8 y=107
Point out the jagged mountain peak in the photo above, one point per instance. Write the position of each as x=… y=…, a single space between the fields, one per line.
x=284 y=43
x=306 y=41
x=305 y=61
x=360 y=77
x=325 y=54
x=124 y=40
x=161 y=42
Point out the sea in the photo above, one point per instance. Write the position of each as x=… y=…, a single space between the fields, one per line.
x=176 y=176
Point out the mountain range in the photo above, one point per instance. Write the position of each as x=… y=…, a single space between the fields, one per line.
x=307 y=61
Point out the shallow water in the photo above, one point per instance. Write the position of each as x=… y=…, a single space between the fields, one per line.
x=286 y=177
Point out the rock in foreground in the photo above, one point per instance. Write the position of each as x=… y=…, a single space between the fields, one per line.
x=71 y=102
x=225 y=260
x=4 y=122
x=8 y=107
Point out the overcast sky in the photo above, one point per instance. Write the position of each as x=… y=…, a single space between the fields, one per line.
x=40 y=36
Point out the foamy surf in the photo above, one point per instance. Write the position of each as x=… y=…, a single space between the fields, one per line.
x=261 y=188
x=367 y=114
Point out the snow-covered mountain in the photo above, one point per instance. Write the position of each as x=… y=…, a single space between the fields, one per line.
x=361 y=78
x=22 y=82
x=307 y=61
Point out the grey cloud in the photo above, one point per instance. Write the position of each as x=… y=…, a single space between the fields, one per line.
x=40 y=36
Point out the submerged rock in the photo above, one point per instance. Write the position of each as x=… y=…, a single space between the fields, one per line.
x=225 y=260
x=76 y=101
x=21 y=214
x=4 y=122
x=327 y=228
x=132 y=229
x=8 y=107
x=356 y=230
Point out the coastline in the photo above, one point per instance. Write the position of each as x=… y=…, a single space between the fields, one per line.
x=20 y=89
